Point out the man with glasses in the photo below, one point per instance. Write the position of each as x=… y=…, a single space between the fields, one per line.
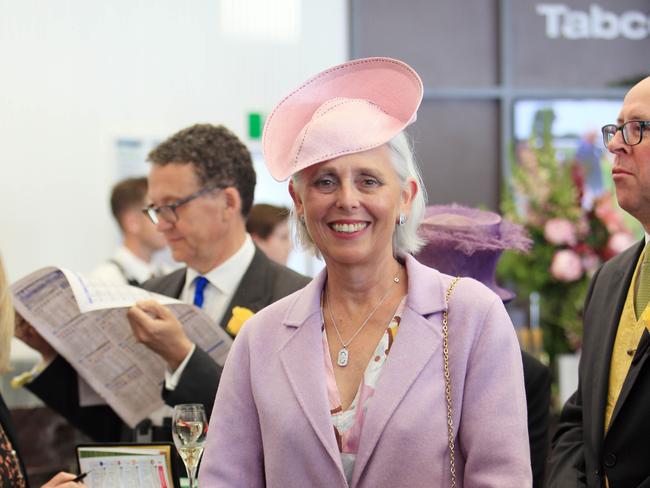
x=201 y=186
x=603 y=438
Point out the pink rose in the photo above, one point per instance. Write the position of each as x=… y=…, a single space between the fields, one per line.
x=560 y=232
x=620 y=241
x=608 y=214
x=566 y=266
x=590 y=263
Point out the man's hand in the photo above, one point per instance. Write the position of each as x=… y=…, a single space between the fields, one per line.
x=64 y=480
x=26 y=333
x=156 y=327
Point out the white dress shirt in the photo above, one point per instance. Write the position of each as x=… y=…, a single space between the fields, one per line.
x=222 y=281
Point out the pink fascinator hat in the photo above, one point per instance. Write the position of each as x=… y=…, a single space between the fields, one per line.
x=464 y=241
x=352 y=107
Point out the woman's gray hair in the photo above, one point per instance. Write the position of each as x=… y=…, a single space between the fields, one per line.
x=405 y=237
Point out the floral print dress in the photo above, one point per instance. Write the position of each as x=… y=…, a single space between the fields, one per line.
x=348 y=424
x=10 y=473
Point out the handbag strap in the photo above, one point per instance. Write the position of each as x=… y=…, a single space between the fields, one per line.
x=445 y=357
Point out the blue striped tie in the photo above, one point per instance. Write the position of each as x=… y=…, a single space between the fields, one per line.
x=199 y=285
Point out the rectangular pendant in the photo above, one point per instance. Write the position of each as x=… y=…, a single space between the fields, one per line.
x=342 y=359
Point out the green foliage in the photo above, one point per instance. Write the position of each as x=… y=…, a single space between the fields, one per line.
x=542 y=189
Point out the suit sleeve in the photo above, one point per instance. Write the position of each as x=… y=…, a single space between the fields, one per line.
x=233 y=454
x=198 y=382
x=567 y=457
x=57 y=387
x=568 y=451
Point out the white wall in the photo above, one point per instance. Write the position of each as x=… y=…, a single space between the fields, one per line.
x=78 y=74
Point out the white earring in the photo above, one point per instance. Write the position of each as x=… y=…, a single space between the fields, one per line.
x=302 y=219
x=402 y=218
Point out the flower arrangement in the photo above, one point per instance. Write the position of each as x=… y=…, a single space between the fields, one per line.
x=569 y=241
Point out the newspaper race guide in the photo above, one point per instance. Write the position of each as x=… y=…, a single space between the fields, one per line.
x=85 y=322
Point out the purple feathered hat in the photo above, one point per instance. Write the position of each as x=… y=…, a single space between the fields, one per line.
x=464 y=241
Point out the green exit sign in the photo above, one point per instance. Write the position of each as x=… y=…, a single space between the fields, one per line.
x=255 y=125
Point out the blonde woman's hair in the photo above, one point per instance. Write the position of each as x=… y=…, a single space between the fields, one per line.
x=6 y=321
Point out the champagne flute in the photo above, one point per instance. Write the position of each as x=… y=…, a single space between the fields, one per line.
x=189 y=429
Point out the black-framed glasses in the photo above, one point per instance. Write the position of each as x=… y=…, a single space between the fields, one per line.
x=632 y=131
x=168 y=212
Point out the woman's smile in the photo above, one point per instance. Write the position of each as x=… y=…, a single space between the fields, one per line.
x=348 y=227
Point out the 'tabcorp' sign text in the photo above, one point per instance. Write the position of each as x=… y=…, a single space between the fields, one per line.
x=597 y=23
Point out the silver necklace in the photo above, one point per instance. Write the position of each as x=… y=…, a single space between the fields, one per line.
x=343 y=354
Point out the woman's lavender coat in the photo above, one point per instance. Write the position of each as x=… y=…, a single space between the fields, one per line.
x=271 y=424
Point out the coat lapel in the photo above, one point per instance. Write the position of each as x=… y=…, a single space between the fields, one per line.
x=303 y=362
x=250 y=292
x=170 y=285
x=610 y=314
x=417 y=340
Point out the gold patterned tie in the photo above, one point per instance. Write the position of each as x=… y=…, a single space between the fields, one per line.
x=643 y=285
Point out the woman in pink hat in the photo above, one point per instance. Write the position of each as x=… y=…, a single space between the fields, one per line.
x=381 y=372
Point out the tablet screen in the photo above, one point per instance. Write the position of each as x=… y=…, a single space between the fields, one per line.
x=126 y=465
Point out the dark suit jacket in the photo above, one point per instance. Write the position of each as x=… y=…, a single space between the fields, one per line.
x=263 y=283
x=582 y=455
x=8 y=426
x=537 y=381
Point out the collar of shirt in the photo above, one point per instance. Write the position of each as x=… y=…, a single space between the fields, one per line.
x=135 y=267
x=227 y=275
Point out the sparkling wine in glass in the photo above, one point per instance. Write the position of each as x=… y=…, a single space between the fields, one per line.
x=189 y=428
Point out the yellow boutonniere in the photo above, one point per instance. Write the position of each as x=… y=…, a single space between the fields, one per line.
x=239 y=316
